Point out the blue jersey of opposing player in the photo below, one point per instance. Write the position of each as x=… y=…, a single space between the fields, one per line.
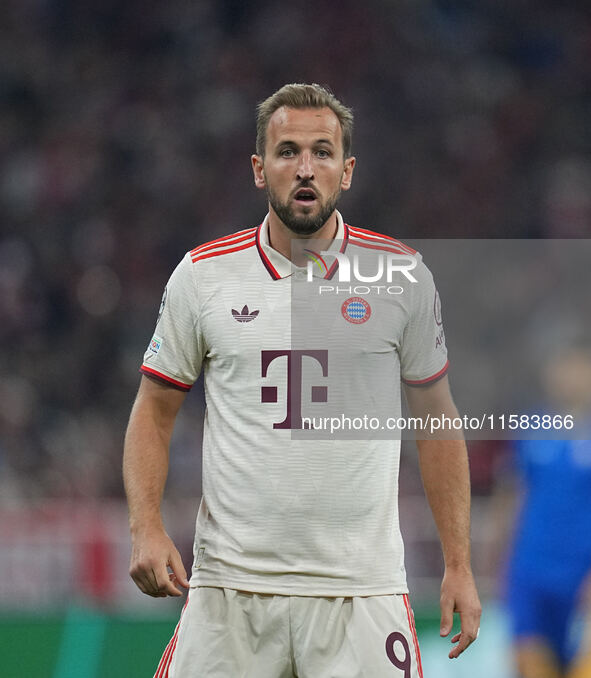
x=553 y=537
x=551 y=553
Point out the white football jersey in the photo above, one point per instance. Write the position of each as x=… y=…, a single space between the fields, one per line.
x=287 y=510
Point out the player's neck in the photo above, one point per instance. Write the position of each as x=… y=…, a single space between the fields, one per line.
x=288 y=243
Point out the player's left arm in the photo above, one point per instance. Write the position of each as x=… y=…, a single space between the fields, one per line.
x=446 y=478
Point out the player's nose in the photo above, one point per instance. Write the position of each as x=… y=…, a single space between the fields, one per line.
x=305 y=168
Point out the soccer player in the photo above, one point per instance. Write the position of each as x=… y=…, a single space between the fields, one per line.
x=298 y=558
x=548 y=587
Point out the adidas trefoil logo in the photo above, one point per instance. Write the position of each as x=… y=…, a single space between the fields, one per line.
x=244 y=316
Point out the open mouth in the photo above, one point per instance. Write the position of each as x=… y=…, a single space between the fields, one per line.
x=305 y=195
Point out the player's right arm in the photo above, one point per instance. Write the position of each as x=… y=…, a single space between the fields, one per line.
x=145 y=467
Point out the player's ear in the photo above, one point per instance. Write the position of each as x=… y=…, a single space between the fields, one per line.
x=347 y=173
x=258 y=171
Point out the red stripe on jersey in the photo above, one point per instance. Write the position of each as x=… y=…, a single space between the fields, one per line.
x=428 y=380
x=369 y=235
x=218 y=253
x=413 y=630
x=226 y=240
x=169 y=380
x=266 y=261
x=377 y=246
x=331 y=271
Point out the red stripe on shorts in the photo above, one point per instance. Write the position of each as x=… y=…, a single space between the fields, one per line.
x=164 y=665
x=413 y=630
x=176 y=640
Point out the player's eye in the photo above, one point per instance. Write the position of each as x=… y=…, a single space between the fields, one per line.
x=322 y=153
x=287 y=153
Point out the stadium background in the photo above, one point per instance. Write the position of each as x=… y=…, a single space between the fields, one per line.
x=125 y=135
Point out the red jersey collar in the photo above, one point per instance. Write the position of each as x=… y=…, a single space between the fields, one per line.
x=323 y=265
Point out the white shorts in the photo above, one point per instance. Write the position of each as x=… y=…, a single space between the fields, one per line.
x=225 y=633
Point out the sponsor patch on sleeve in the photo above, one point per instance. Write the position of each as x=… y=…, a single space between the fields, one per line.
x=154 y=345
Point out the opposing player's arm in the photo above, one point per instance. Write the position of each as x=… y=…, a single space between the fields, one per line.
x=145 y=467
x=444 y=468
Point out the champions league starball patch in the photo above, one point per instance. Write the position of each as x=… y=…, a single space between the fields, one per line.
x=356 y=310
x=162 y=305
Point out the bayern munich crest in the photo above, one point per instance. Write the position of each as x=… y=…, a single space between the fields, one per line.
x=356 y=310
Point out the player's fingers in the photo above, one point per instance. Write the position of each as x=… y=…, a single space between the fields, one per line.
x=138 y=574
x=178 y=569
x=153 y=581
x=470 y=622
x=146 y=585
x=447 y=615
x=469 y=633
x=465 y=642
x=155 y=588
x=164 y=586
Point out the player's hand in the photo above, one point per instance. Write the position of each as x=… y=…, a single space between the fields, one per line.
x=459 y=595
x=152 y=554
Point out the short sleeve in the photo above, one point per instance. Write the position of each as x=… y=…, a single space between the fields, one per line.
x=175 y=352
x=423 y=354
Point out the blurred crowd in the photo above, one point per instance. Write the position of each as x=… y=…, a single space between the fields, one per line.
x=125 y=136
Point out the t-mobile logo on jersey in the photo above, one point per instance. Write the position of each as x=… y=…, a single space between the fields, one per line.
x=319 y=394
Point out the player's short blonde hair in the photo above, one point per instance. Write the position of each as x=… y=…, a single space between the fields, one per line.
x=298 y=95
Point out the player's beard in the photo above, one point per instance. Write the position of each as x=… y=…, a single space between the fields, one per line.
x=304 y=224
